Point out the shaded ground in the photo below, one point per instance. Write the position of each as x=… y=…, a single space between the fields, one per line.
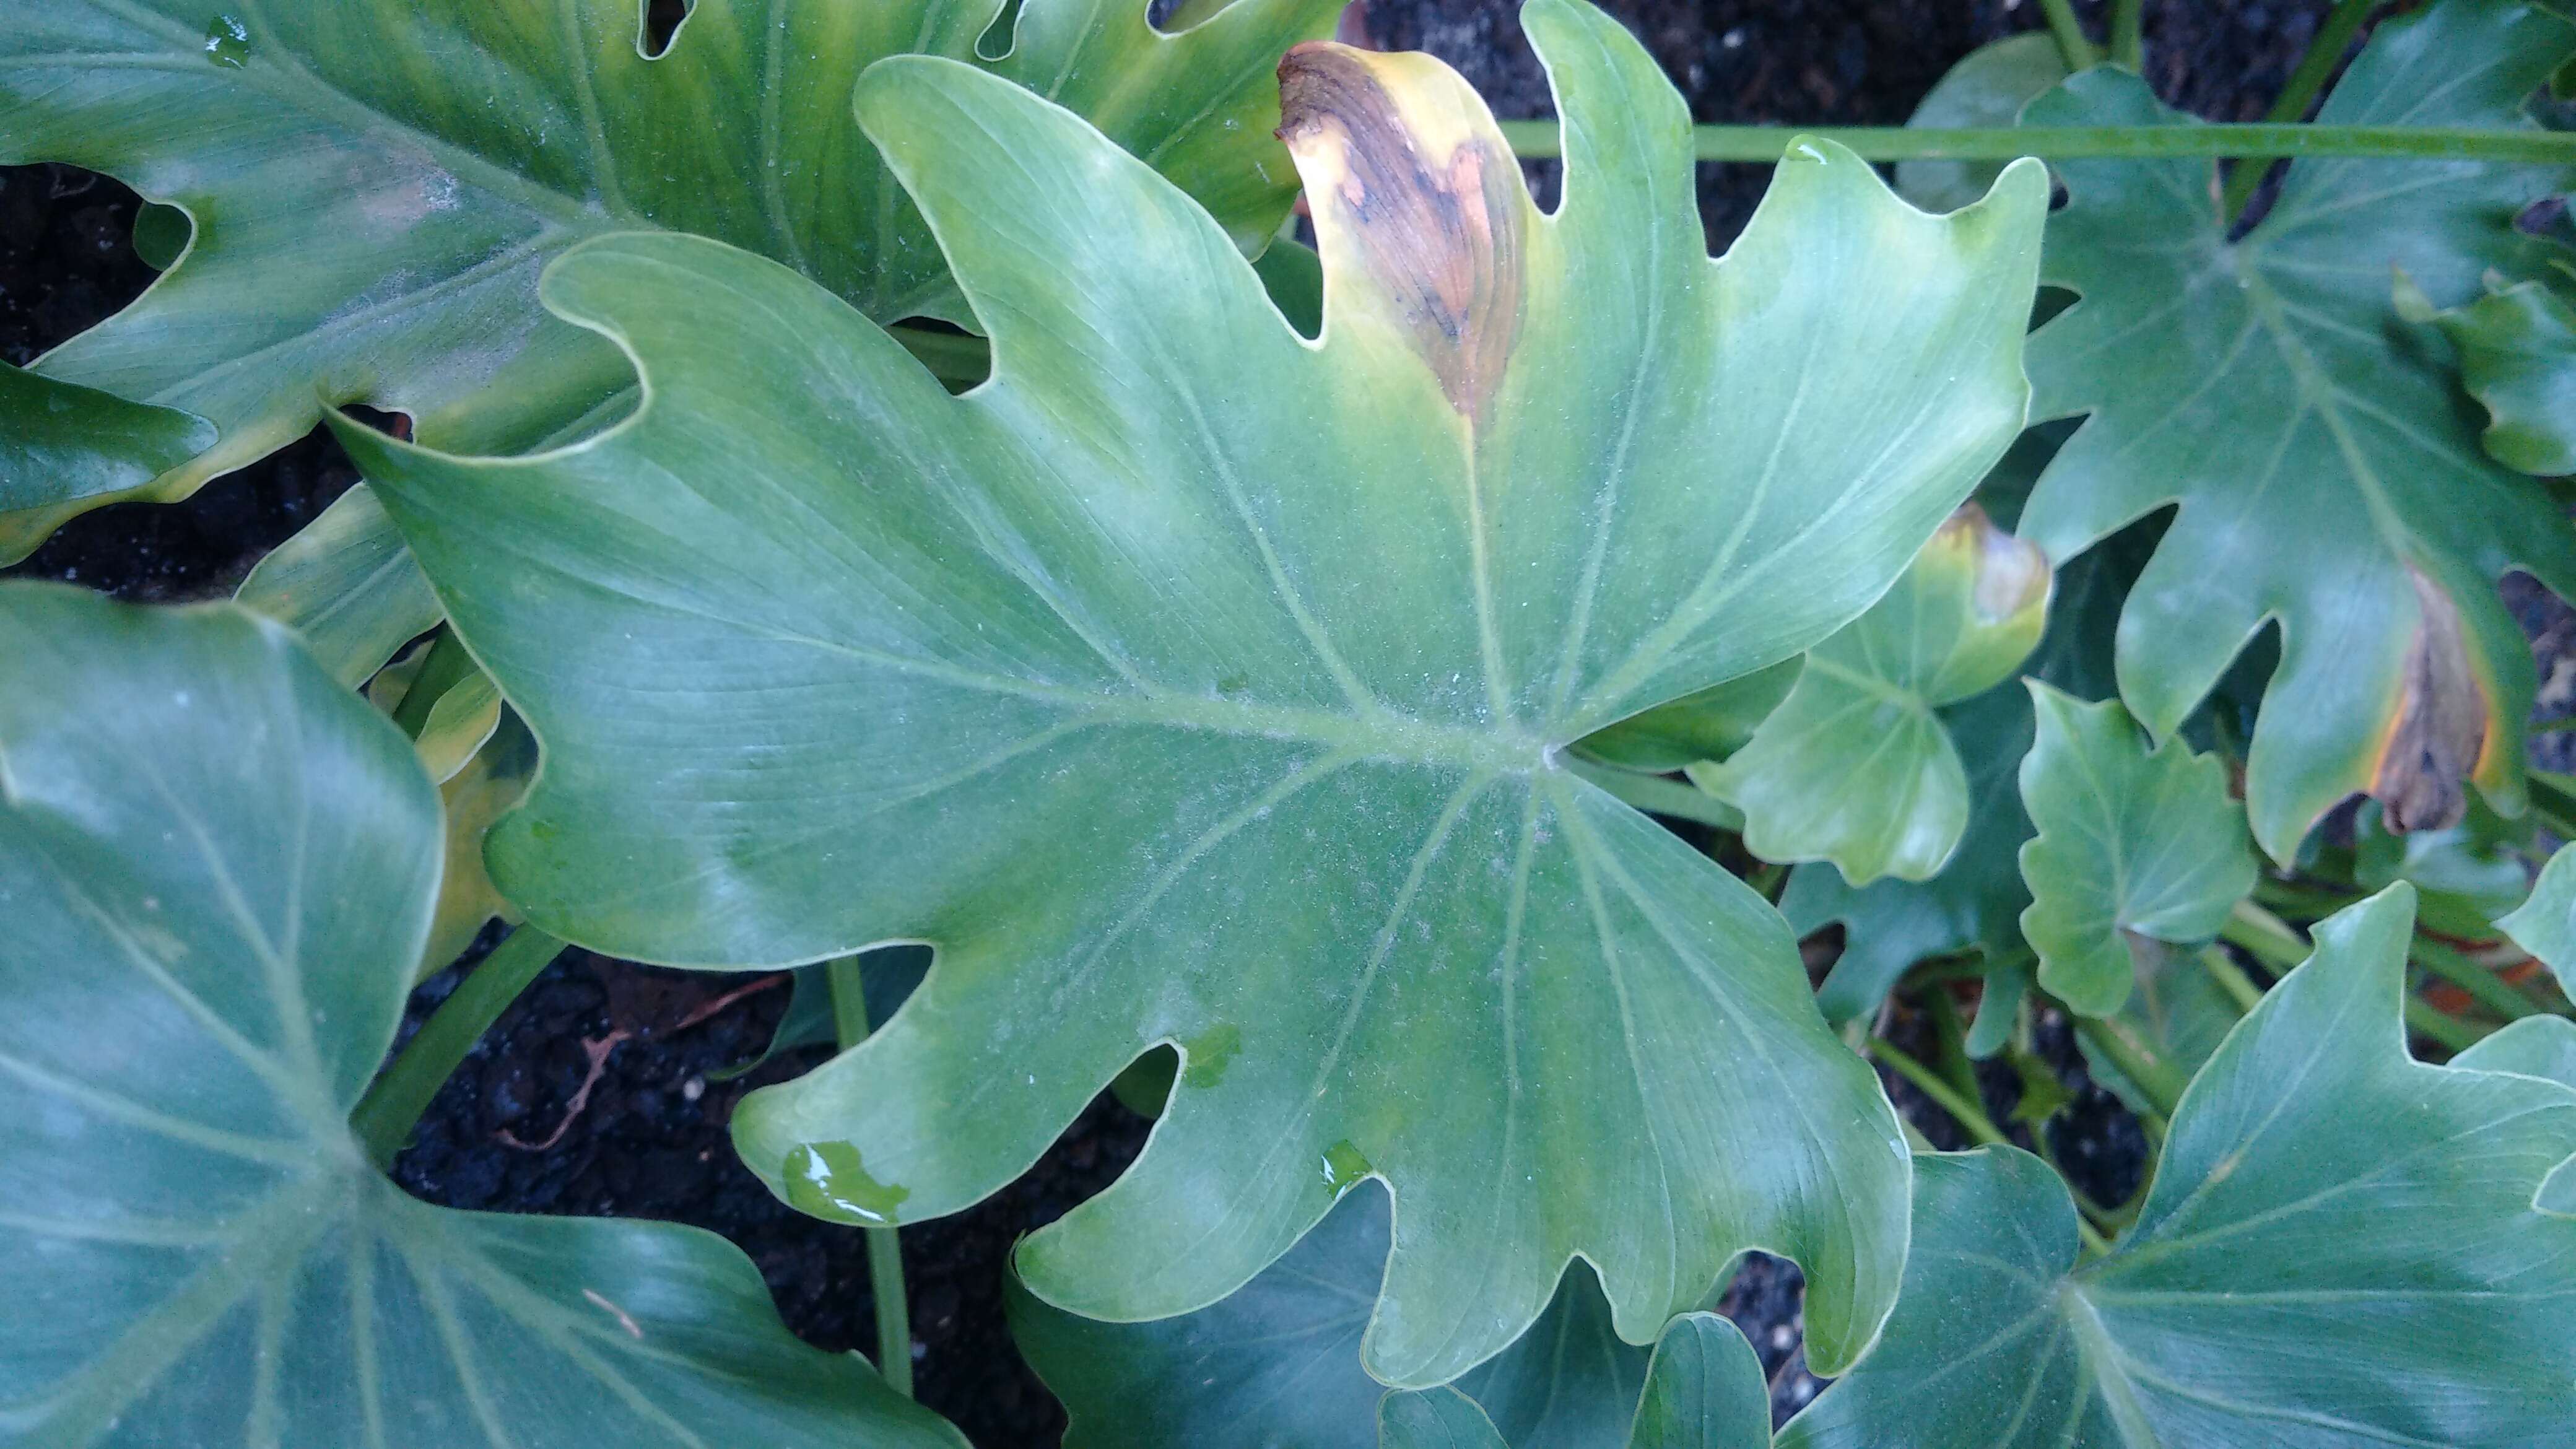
x=650 y=1141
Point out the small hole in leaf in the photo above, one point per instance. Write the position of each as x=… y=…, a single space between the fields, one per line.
x=995 y=42
x=661 y=21
x=392 y=425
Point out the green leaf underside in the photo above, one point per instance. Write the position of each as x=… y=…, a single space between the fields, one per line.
x=2341 y=1247
x=1277 y=1363
x=217 y=866
x=2227 y=378
x=2132 y=840
x=1191 y=682
x=377 y=185
x=2545 y=925
x=2517 y=351
x=348 y=585
x=1854 y=766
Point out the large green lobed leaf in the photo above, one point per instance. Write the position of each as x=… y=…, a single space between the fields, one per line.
x=2517 y=352
x=217 y=868
x=377 y=185
x=2326 y=476
x=1193 y=683
x=2342 y=1246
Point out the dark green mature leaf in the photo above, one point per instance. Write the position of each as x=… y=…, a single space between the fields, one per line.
x=2545 y=925
x=217 y=866
x=1704 y=1391
x=2342 y=1246
x=1192 y=683
x=1855 y=767
x=1438 y=1418
x=2517 y=346
x=1277 y=1362
x=2264 y=387
x=2133 y=841
x=63 y=439
x=346 y=583
x=1986 y=88
x=377 y=185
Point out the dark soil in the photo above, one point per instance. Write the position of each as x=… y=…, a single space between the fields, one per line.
x=650 y=1141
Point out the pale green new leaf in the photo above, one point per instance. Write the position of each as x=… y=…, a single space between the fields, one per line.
x=377 y=184
x=2342 y=1246
x=2517 y=348
x=348 y=585
x=1854 y=766
x=216 y=865
x=2322 y=470
x=2133 y=841
x=2545 y=925
x=1190 y=682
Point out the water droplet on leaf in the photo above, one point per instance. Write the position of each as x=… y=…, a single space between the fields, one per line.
x=1343 y=1166
x=825 y=1180
x=228 y=42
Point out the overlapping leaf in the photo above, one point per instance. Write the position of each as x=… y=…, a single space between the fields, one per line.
x=217 y=868
x=348 y=585
x=1193 y=683
x=1705 y=1390
x=2342 y=1246
x=2517 y=350
x=2545 y=925
x=1854 y=766
x=2265 y=386
x=377 y=184
x=2133 y=841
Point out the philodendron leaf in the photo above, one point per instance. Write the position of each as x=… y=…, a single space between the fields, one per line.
x=484 y=787
x=348 y=585
x=2545 y=925
x=1193 y=683
x=1987 y=88
x=2178 y=1015
x=2324 y=473
x=1704 y=1391
x=2342 y=1246
x=2517 y=346
x=377 y=185
x=1277 y=1362
x=1854 y=767
x=216 y=865
x=2133 y=842
x=61 y=439
x=1696 y=728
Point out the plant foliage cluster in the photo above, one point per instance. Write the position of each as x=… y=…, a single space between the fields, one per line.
x=890 y=475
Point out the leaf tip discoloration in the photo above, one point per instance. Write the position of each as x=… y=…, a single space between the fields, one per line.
x=1414 y=190
x=2438 y=734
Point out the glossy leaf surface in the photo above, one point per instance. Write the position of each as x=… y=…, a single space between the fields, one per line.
x=66 y=439
x=2133 y=841
x=217 y=867
x=348 y=585
x=1192 y=683
x=2517 y=351
x=1277 y=1362
x=2324 y=474
x=2342 y=1246
x=377 y=184
x=1854 y=766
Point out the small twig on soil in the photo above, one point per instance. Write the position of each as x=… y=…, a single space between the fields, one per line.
x=597 y=1049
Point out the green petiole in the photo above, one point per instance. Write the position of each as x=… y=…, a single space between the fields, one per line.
x=1539 y=140
x=885 y=1245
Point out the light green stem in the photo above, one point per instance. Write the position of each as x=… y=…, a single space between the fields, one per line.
x=1968 y=1115
x=1536 y=140
x=2483 y=986
x=384 y=1117
x=2072 y=43
x=2129 y=35
x=885 y=1245
x=2324 y=54
x=2556 y=806
x=2441 y=1027
x=2231 y=979
x=2145 y=1067
x=1659 y=796
x=2267 y=936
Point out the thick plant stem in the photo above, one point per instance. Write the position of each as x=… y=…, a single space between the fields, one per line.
x=1537 y=140
x=885 y=1245
x=2072 y=43
x=2324 y=54
x=384 y=1117
x=1968 y=1115
x=2484 y=987
x=2143 y=1065
x=2129 y=35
